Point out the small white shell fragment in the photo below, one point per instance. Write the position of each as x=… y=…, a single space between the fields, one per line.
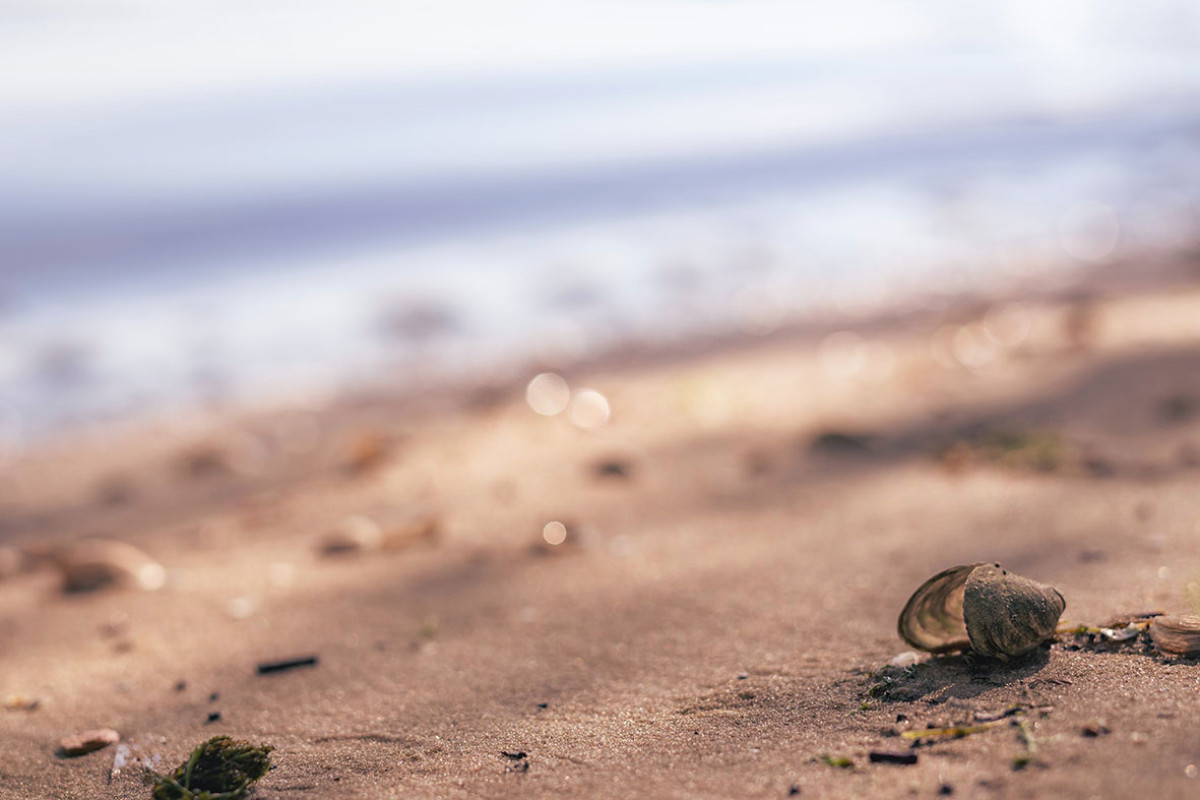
x=95 y=563
x=1121 y=634
x=120 y=759
x=88 y=741
x=905 y=659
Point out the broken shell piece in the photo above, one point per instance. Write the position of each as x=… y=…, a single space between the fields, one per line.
x=980 y=607
x=1177 y=633
x=361 y=534
x=1007 y=615
x=95 y=563
x=88 y=741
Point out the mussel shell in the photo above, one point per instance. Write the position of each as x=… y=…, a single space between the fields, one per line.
x=932 y=619
x=1007 y=615
x=1177 y=633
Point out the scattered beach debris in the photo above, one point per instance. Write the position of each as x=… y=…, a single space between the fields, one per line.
x=951 y=732
x=1015 y=449
x=356 y=533
x=79 y=744
x=1025 y=735
x=518 y=760
x=904 y=757
x=992 y=716
x=19 y=702
x=270 y=667
x=981 y=607
x=842 y=443
x=204 y=461
x=612 y=468
x=213 y=716
x=91 y=564
x=1094 y=730
x=906 y=659
x=1178 y=634
x=359 y=533
x=366 y=451
x=840 y=762
x=219 y=769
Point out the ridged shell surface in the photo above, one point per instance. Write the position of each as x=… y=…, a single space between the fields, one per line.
x=1007 y=615
x=1177 y=633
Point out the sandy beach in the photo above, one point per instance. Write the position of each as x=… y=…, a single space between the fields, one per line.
x=717 y=615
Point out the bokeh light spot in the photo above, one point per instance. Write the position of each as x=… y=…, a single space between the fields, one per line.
x=548 y=394
x=555 y=533
x=589 y=409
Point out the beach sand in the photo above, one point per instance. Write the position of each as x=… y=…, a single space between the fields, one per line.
x=741 y=536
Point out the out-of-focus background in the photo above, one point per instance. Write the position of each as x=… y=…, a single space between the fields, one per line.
x=220 y=202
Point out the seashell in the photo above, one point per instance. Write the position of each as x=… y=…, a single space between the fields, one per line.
x=980 y=607
x=932 y=619
x=1007 y=615
x=1177 y=633
x=95 y=563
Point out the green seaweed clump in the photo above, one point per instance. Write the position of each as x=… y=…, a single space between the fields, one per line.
x=219 y=769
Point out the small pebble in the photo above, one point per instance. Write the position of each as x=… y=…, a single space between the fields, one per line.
x=354 y=534
x=91 y=564
x=213 y=716
x=88 y=741
x=945 y=789
x=905 y=659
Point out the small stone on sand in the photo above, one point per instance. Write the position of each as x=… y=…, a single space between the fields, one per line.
x=92 y=564
x=88 y=741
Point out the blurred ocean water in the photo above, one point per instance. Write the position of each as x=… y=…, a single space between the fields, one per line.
x=219 y=201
